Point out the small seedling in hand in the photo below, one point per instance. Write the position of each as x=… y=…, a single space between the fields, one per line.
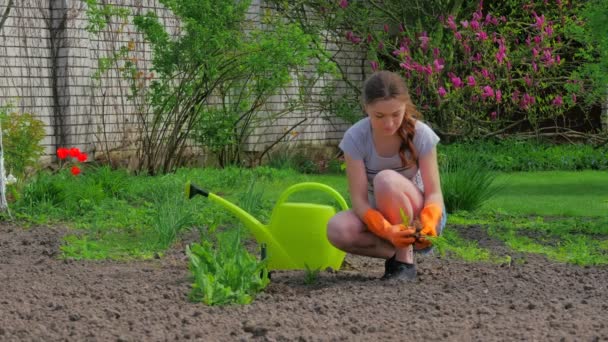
x=404 y=217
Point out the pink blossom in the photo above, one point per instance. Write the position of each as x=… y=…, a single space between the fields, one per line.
x=474 y=98
x=456 y=81
x=464 y=23
x=549 y=30
x=557 y=101
x=557 y=59
x=442 y=92
x=424 y=41
x=451 y=23
x=369 y=38
x=436 y=53
x=515 y=96
x=401 y=28
x=475 y=25
x=493 y=116
x=374 y=65
x=488 y=18
x=537 y=40
x=427 y=69
x=501 y=54
x=477 y=15
x=380 y=45
x=438 y=64
x=406 y=65
x=485 y=73
x=534 y=67
x=352 y=37
x=574 y=98
x=458 y=35
x=487 y=91
x=534 y=52
x=343 y=3
x=528 y=80
x=476 y=57
x=482 y=35
x=526 y=101
x=471 y=81
x=401 y=52
x=498 y=94
x=540 y=21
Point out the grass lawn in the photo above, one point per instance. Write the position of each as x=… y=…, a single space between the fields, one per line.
x=123 y=216
x=552 y=193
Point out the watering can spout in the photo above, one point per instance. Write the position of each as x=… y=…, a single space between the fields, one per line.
x=257 y=228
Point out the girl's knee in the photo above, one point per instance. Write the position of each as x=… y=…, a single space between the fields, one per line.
x=385 y=178
x=341 y=229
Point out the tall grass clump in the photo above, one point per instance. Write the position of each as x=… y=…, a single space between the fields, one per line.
x=171 y=214
x=466 y=183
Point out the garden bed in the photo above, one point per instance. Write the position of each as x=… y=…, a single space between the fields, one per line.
x=532 y=298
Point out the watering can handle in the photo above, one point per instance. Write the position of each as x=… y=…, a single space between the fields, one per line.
x=313 y=186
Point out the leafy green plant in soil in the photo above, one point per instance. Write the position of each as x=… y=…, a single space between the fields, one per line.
x=224 y=272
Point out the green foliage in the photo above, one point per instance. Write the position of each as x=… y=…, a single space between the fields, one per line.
x=225 y=273
x=530 y=63
x=22 y=135
x=451 y=243
x=466 y=183
x=99 y=15
x=580 y=241
x=171 y=215
x=213 y=78
x=521 y=155
x=293 y=157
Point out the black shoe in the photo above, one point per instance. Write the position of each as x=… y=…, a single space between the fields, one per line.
x=389 y=266
x=394 y=269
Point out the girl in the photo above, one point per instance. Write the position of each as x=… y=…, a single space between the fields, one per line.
x=391 y=164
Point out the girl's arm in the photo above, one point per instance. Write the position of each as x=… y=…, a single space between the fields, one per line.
x=429 y=170
x=357 y=185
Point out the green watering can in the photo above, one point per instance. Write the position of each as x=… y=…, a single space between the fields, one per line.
x=296 y=237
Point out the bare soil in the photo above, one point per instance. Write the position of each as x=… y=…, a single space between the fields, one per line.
x=44 y=298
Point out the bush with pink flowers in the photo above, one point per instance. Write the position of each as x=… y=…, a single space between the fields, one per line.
x=485 y=69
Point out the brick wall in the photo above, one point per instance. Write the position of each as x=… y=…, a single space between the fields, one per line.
x=47 y=60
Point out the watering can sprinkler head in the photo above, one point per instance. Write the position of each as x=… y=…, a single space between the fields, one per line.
x=193 y=190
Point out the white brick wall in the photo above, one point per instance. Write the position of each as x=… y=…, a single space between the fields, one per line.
x=26 y=78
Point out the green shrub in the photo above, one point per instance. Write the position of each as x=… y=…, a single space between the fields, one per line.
x=22 y=136
x=225 y=273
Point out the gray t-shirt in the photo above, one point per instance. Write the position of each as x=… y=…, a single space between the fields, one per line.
x=359 y=145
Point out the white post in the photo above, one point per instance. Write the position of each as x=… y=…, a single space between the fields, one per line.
x=3 y=202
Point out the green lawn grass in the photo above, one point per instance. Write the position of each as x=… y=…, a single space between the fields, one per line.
x=122 y=216
x=552 y=193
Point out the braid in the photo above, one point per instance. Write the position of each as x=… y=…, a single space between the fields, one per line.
x=407 y=133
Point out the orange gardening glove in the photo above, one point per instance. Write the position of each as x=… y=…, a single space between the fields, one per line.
x=429 y=218
x=397 y=234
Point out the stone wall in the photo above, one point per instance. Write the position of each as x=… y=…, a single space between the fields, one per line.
x=47 y=60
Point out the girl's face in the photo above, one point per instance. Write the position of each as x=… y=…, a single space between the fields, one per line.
x=386 y=116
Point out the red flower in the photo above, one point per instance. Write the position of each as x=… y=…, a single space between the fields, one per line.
x=75 y=170
x=62 y=153
x=82 y=157
x=74 y=152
